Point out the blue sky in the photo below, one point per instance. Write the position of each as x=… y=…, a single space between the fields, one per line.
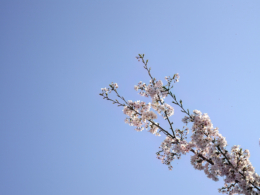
x=57 y=134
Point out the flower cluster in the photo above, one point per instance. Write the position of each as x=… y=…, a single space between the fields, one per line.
x=175 y=78
x=164 y=110
x=203 y=132
x=154 y=90
x=172 y=148
x=114 y=85
x=105 y=90
x=240 y=176
x=140 y=116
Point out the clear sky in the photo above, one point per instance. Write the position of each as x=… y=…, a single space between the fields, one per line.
x=58 y=136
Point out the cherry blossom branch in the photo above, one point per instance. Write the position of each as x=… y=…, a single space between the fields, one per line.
x=191 y=118
x=209 y=155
